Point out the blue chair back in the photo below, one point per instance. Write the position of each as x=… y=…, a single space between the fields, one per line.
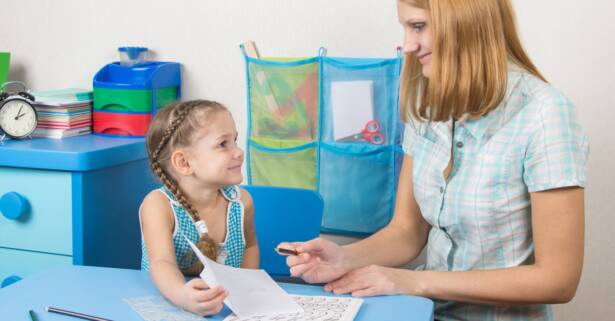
x=283 y=214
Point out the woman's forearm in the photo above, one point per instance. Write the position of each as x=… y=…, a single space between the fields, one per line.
x=529 y=284
x=392 y=246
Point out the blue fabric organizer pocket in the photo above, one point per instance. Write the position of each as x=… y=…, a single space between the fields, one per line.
x=358 y=176
x=358 y=183
x=381 y=76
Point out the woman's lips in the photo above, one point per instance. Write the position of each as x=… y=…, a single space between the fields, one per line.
x=424 y=58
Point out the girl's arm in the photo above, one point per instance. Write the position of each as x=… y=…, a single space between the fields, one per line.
x=250 y=256
x=558 y=233
x=157 y=222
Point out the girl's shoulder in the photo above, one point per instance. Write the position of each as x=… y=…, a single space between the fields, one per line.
x=234 y=193
x=246 y=199
x=155 y=199
x=156 y=206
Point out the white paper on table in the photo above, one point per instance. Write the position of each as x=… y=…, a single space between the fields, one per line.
x=352 y=103
x=251 y=292
x=316 y=308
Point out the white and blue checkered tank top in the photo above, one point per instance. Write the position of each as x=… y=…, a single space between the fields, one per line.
x=230 y=251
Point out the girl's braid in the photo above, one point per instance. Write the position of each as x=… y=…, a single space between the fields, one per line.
x=206 y=244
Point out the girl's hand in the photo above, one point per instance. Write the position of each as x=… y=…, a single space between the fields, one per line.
x=199 y=298
x=319 y=260
x=369 y=281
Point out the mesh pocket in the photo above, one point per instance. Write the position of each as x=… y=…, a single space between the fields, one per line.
x=287 y=167
x=357 y=92
x=357 y=183
x=284 y=99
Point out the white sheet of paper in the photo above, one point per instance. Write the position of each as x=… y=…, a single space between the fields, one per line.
x=251 y=292
x=352 y=103
x=316 y=308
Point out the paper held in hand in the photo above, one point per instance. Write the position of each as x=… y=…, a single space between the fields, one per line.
x=251 y=292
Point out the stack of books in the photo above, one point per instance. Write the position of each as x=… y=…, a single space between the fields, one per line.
x=63 y=113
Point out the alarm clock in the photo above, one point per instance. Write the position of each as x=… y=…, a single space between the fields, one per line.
x=18 y=117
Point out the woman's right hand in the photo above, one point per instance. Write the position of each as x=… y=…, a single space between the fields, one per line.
x=199 y=298
x=319 y=260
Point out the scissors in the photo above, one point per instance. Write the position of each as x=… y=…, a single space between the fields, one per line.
x=370 y=133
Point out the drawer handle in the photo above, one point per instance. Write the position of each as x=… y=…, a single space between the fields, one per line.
x=14 y=206
x=9 y=280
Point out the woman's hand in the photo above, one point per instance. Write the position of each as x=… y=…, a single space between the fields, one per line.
x=199 y=298
x=370 y=281
x=319 y=260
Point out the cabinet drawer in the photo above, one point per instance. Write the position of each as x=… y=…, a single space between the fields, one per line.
x=47 y=225
x=15 y=263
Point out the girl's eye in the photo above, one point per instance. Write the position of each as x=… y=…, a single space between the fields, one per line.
x=223 y=144
x=417 y=27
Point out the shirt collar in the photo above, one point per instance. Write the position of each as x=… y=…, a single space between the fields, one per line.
x=479 y=126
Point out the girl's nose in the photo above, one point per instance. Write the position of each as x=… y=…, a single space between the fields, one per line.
x=238 y=152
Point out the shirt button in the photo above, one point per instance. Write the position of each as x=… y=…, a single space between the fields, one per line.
x=441 y=189
x=459 y=144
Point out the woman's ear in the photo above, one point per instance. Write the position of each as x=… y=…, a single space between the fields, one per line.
x=180 y=163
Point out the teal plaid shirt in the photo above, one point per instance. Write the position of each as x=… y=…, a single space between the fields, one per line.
x=481 y=215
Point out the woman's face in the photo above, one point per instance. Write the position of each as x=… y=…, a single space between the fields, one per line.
x=418 y=37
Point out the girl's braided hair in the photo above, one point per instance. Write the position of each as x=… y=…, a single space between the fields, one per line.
x=174 y=126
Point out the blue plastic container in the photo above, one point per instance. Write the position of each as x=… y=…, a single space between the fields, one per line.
x=120 y=92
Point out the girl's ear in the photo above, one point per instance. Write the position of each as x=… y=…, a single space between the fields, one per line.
x=180 y=163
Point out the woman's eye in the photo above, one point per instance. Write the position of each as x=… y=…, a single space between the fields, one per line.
x=417 y=27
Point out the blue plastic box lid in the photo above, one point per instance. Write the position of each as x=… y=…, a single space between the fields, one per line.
x=81 y=153
x=154 y=74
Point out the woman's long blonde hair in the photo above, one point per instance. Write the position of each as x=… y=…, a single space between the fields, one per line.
x=473 y=40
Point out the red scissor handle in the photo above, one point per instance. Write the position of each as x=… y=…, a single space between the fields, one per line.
x=372 y=133
x=372 y=126
x=374 y=138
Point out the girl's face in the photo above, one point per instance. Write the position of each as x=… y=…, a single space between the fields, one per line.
x=215 y=156
x=418 y=37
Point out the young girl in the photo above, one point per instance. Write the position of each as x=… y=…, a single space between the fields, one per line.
x=192 y=148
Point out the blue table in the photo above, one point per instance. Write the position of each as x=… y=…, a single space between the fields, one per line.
x=100 y=292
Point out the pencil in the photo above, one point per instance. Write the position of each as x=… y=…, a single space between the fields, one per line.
x=286 y=251
x=75 y=314
x=32 y=315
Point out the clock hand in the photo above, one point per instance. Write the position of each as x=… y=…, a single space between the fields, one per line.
x=18 y=112
x=19 y=116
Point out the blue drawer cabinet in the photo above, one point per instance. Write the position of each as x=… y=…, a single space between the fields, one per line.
x=46 y=225
x=73 y=200
x=17 y=264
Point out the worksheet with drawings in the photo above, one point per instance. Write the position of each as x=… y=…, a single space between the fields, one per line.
x=157 y=308
x=316 y=308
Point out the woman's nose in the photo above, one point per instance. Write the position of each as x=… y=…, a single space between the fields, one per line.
x=410 y=44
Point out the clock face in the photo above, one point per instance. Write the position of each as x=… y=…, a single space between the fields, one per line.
x=17 y=118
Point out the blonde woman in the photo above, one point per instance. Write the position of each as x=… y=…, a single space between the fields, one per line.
x=492 y=180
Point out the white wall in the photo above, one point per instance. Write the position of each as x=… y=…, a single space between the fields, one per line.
x=62 y=43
